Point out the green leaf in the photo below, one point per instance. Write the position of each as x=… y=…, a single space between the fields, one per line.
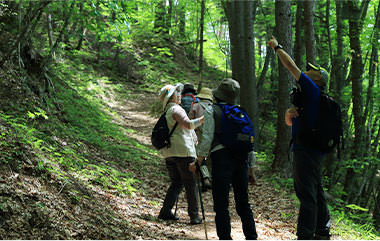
x=355 y=207
x=31 y=115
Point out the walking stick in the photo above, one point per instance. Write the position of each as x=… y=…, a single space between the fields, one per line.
x=201 y=201
x=176 y=206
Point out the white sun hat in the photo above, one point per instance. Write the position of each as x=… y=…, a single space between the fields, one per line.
x=167 y=91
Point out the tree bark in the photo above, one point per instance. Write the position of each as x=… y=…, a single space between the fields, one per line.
x=373 y=62
x=182 y=21
x=284 y=34
x=299 y=44
x=356 y=72
x=200 y=62
x=240 y=15
x=309 y=31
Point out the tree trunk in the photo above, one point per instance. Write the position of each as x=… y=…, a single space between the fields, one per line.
x=376 y=212
x=61 y=33
x=182 y=21
x=309 y=31
x=357 y=91
x=248 y=97
x=299 y=44
x=159 y=20
x=240 y=15
x=284 y=34
x=50 y=34
x=373 y=62
x=201 y=44
x=328 y=30
x=28 y=26
x=168 y=18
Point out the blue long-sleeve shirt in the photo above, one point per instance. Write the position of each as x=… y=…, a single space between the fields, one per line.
x=308 y=119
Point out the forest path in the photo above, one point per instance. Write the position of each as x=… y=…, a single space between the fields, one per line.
x=275 y=213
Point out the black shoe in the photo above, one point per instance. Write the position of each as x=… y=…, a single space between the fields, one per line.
x=322 y=234
x=196 y=220
x=322 y=237
x=170 y=216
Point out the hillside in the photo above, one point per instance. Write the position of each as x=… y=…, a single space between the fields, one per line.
x=79 y=164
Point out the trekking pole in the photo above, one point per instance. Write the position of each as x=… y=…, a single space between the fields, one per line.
x=176 y=206
x=200 y=200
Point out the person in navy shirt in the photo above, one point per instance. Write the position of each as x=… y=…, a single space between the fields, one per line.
x=314 y=216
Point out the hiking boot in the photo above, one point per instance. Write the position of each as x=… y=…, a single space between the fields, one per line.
x=170 y=216
x=196 y=220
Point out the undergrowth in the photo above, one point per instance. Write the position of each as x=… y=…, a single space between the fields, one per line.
x=73 y=134
x=349 y=221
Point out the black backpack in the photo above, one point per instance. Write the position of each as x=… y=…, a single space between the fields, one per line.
x=160 y=137
x=328 y=133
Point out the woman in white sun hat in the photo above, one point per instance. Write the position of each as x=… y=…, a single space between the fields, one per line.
x=179 y=154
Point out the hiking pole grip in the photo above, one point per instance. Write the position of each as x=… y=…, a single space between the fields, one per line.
x=200 y=199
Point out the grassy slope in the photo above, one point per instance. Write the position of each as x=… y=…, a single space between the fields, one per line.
x=61 y=160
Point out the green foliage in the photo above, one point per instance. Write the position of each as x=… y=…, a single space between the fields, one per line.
x=348 y=227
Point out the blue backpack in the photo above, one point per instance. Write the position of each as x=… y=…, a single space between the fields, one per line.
x=236 y=128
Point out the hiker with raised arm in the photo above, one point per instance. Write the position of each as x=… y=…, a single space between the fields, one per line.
x=228 y=136
x=304 y=118
x=179 y=154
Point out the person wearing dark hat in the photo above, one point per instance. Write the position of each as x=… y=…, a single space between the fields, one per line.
x=229 y=167
x=188 y=97
x=314 y=217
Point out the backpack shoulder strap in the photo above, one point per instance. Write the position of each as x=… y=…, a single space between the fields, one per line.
x=204 y=106
x=173 y=129
x=175 y=125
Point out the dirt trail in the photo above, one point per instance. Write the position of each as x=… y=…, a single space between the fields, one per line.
x=275 y=213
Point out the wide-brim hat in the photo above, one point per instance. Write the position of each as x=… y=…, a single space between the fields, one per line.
x=205 y=93
x=167 y=91
x=325 y=75
x=228 y=91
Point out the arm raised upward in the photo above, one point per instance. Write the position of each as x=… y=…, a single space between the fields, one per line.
x=285 y=59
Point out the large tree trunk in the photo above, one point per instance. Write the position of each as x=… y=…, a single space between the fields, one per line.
x=357 y=91
x=309 y=31
x=284 y=36
x=240 y=15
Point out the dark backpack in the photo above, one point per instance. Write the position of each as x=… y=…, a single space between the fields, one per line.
x=236 y=128
x=187 y=101
x=328 y=133
x=160 y=137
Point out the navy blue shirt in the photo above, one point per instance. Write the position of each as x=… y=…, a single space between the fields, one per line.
x=311 y=106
